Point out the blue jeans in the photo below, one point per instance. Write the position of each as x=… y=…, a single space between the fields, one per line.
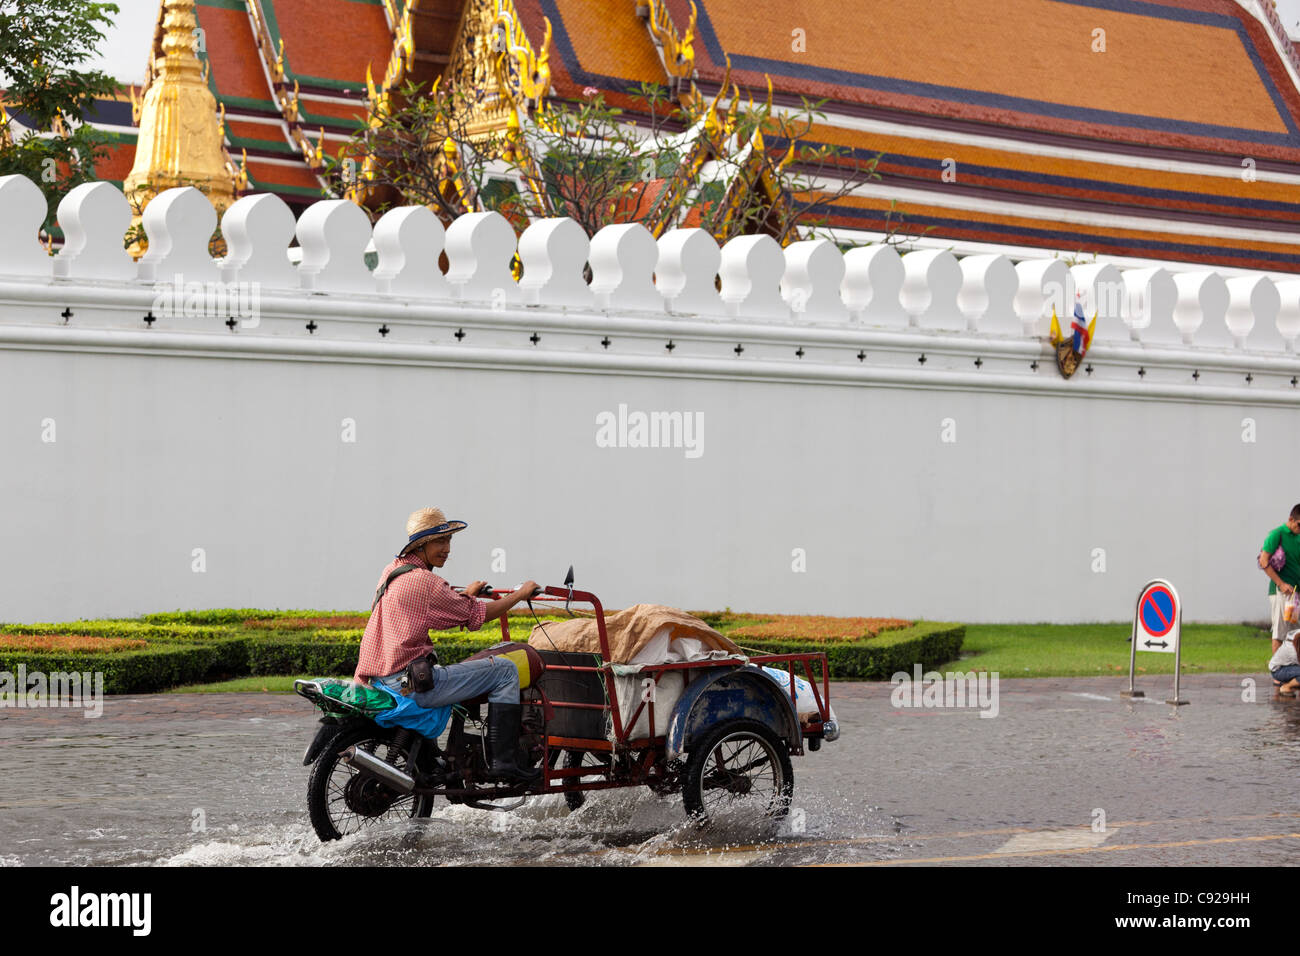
x=496 y=676
x=1287 y=672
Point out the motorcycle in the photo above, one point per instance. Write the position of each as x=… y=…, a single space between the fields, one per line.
x=724 y=742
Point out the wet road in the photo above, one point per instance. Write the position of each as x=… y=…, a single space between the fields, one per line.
x=1066 y=774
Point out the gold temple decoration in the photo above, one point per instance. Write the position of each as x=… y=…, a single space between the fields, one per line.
x=528 y=73
x=181 y=137
x=403 y=56
x=495 y=68
x=676 y=51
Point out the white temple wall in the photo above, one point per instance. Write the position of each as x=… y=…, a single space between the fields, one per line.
x=873 y=434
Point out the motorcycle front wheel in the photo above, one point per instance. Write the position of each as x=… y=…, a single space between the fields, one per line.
x=342 y=801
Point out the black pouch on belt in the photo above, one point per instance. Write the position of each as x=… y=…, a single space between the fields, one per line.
x=419 y=673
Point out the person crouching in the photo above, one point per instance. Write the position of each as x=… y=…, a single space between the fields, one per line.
x=1285 y=665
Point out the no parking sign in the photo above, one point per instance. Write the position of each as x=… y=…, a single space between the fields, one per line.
x=1157 y=627
x=1157 y=619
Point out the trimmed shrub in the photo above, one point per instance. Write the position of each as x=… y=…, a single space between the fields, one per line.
x=132 y=672
x=219 y=616
x=816 y=628
x=66 y=643
x=928 y=643
x=295 y=656
x=328 y=622
x=129 y=630
x=237 y=615
x=163 y=650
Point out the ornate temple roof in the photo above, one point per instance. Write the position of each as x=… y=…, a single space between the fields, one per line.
x=1152 y=129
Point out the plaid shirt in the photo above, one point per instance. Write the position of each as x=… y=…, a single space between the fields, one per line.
x=413 y=605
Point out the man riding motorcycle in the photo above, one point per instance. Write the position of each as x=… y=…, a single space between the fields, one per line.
x=411 y=601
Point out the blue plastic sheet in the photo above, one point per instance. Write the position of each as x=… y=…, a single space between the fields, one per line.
x=427 y=721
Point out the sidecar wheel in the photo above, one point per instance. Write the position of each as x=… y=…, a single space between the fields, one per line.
x=738 y=766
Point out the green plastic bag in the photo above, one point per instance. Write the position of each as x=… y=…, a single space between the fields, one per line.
x=342 y=698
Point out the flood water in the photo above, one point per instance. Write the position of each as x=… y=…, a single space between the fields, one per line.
x=1066 y=774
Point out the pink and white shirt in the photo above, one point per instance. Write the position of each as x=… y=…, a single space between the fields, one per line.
x=416 y=603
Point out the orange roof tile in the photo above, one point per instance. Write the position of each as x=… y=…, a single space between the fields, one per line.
x=117 y=164
x=332 y=39
x=269 y=175
x=1030 y=64
x=262 y=131
x=232 y=51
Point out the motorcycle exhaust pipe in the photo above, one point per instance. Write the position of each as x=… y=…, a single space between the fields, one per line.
x=384 y=771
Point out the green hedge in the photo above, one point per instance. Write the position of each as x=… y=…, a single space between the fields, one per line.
x=183 y=653
x=928 y=643
x=232 y=615
x=285 y=655
x=137 y=672
x=132 y=630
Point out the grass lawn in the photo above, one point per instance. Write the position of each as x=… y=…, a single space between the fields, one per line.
x=1095 y=650
x=269 y=684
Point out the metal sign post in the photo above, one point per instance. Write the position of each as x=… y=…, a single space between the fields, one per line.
x=1157 y=629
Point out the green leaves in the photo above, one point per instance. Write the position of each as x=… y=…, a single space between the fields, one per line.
x=42 y=42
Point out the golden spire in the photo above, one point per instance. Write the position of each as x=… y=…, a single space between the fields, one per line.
x=180 y=141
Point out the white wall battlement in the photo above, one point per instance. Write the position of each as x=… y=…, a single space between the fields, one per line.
x=883 y=400
x=808 y=286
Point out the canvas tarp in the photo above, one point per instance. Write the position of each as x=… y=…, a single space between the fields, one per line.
x=629 y=632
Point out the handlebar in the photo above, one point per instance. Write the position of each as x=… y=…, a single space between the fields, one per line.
x=490 y=593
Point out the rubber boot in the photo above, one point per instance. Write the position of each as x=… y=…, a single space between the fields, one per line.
x=503 y=744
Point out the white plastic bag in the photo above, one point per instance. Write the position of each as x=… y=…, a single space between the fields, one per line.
x=805 y=701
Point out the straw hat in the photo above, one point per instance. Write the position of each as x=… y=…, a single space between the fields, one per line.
x=426 y=525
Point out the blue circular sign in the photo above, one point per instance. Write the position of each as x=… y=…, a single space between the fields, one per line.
x=1157 y=611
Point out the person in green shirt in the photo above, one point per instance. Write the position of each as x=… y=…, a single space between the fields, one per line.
x=1282 y=583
